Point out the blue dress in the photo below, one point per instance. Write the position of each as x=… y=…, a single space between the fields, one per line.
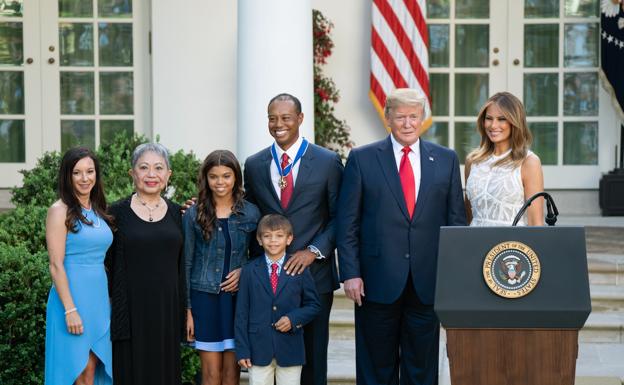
x=66 y=354
x=213 y=314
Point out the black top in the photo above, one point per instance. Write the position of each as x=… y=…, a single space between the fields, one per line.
x=145 y=261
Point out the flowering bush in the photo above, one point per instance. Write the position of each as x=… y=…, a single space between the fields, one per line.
x=329 y=131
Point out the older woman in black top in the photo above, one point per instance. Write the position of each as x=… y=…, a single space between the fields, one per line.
x=147 y=283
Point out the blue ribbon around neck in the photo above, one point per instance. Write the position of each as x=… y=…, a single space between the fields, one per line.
x=286 y=170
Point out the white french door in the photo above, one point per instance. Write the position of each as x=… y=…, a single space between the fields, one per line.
x=543 y=51
x=81 y=68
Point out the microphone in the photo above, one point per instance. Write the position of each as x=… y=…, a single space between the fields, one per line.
x=552 y=212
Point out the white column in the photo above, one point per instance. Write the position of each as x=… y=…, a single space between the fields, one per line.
x=274 y=56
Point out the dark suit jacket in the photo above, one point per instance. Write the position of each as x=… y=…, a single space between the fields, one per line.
x=311 y=209
x=257 y=309
x=377 y=241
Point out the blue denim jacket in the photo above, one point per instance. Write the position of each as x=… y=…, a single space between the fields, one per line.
x=204 y=260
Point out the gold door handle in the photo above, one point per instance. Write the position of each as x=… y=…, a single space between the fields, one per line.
x=495 y=62
x=516 y=62
x=29 y=60
x=51 y=60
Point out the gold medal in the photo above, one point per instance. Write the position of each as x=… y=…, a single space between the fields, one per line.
x=282 y=183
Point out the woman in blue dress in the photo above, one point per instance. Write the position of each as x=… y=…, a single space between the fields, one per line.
x=217 y=231
x=78 y=347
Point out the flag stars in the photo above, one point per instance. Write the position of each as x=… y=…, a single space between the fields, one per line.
x=610 y=39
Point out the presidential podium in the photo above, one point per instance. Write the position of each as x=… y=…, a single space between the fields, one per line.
x=512 y=300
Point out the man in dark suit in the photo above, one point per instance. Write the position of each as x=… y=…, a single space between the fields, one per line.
x=395 y=195
x=300 y=180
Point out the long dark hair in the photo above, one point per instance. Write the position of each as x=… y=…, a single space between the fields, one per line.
x=206 y=212
x=68 y=196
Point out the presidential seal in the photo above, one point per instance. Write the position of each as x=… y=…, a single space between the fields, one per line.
x=511 y=269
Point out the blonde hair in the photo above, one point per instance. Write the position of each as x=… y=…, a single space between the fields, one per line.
x=407 y=97
x=520 y=136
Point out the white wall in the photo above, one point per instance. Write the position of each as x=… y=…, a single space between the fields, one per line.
x=349 y=66
x=194 y=74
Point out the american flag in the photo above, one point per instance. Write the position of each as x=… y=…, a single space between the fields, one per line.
x=399 y=42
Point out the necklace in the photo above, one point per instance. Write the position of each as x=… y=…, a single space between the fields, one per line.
x=150 y=209
x=93 y=221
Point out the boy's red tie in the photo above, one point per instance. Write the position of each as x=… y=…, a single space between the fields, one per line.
x=274 y=277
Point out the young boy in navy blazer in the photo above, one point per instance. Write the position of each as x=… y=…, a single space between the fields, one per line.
x=272 y=308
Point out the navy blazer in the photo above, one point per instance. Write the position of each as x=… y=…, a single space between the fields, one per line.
x=377 y=241
x=257 y=309
x=312 y=207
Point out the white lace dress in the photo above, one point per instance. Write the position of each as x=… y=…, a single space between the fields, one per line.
x=495 y=193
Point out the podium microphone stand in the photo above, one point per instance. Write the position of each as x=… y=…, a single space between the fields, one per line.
x=512 y=301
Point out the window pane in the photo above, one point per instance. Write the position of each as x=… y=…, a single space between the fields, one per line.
x=438 y=133
x=76 y=44
x=580 y=94
x=116 y=93
x=11 y=92
x=581 y=45
x=580 y=143
x=541 y=94
x=115 y=8
x=439 y=45
x=77 y=93
x=11 y=44
x=77 y=133
x=545 y=141
x=466 y=139
x=541 y=45
x=438 y=9
x=115 y=42
x=12 y=141
x=11 y=8
x=541 y=8
x=471 y=45
x=472 y=9
x=581 y=8
x=439 y=84
x=75 y=8
x=109 y=129
x=471 y=92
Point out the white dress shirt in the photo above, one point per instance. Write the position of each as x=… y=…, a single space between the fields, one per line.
x=414 y=158
x=292 y=153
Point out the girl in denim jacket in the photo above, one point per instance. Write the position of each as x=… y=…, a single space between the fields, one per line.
x=217 y=231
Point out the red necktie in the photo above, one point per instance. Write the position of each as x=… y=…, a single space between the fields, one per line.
x=274 y=277
x=287 y=191
x=407 y=181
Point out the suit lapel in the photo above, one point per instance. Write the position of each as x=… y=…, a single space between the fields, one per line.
x=385 y=155
x=261 y=271
x=283 y=278
x=268 y=184
x=303 y=174
x=427 y=176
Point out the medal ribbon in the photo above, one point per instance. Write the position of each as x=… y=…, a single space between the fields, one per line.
x=286 y=170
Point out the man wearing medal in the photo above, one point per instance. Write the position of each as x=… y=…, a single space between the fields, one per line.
x=300 y=180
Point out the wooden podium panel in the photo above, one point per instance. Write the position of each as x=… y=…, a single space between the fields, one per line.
x=512 y=356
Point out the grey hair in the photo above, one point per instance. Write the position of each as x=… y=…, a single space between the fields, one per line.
x=156 y=148
x=407 y=97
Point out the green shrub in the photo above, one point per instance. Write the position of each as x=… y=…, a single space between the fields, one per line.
x=24 y=225
x=24 y=287
x=190 y=365
x=39 y=184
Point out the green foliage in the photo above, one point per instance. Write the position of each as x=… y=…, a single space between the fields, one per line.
x=39 y=187
x=25 y=225
x=24 y=287
x=329 y=131
x=24 y=276
x=190 y=365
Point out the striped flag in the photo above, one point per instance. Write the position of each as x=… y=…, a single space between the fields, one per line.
x=399 y=55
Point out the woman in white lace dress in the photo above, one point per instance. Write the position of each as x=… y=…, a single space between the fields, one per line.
x=502 y=173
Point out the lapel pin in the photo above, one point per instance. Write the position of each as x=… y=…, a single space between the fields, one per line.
x=431 y=158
